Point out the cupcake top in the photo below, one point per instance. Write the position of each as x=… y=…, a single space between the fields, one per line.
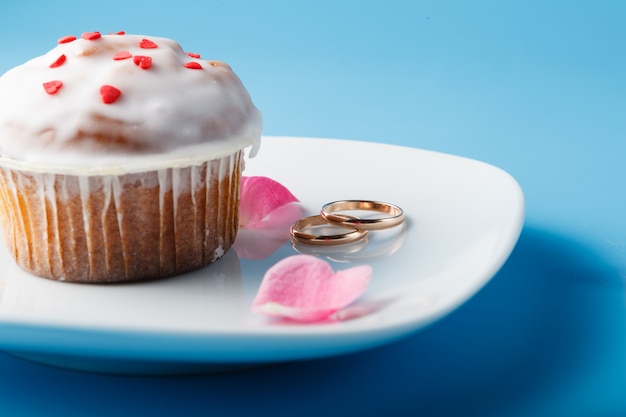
x=119 y=101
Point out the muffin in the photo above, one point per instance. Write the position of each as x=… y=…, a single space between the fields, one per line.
x=121 y=158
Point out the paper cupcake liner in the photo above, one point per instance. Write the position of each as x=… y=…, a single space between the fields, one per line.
x=107 y=228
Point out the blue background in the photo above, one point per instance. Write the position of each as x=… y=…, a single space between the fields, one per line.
x=537 y=88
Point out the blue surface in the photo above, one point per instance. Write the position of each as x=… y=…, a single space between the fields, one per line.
x=536 y=88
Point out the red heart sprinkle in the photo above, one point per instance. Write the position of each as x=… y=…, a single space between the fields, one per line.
x=91 y=36
x=122 y=55
x=147 y=44
x=121 y=32
x=193 y=65
x=109 y=94
x=143 y=62
x=60 y=60
x=67 y=39
x=192 y=55
x=52 y=87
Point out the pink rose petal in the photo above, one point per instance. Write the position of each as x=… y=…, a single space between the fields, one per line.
x=266 y=211
x=277 y=223
x=260 y=196
x=257 y=244
x=305 y=288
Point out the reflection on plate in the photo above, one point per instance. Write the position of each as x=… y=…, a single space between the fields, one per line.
x=463 y=219
x=378 y=245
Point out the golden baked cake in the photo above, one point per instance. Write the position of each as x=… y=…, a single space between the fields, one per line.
x=121 y=158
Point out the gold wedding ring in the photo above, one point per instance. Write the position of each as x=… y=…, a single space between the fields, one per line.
x=330 y=213
x=298 y=232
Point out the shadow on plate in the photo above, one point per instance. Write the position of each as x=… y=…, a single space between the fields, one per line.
x=543 y=321
x=546 y=319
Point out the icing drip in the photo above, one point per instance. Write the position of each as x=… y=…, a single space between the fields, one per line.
x=84 y=225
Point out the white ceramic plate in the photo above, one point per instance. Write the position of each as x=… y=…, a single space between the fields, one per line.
x=463 y=219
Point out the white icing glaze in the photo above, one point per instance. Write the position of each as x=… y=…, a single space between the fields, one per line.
x=167 y=114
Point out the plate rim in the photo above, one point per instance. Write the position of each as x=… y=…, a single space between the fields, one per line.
x=367 y=336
